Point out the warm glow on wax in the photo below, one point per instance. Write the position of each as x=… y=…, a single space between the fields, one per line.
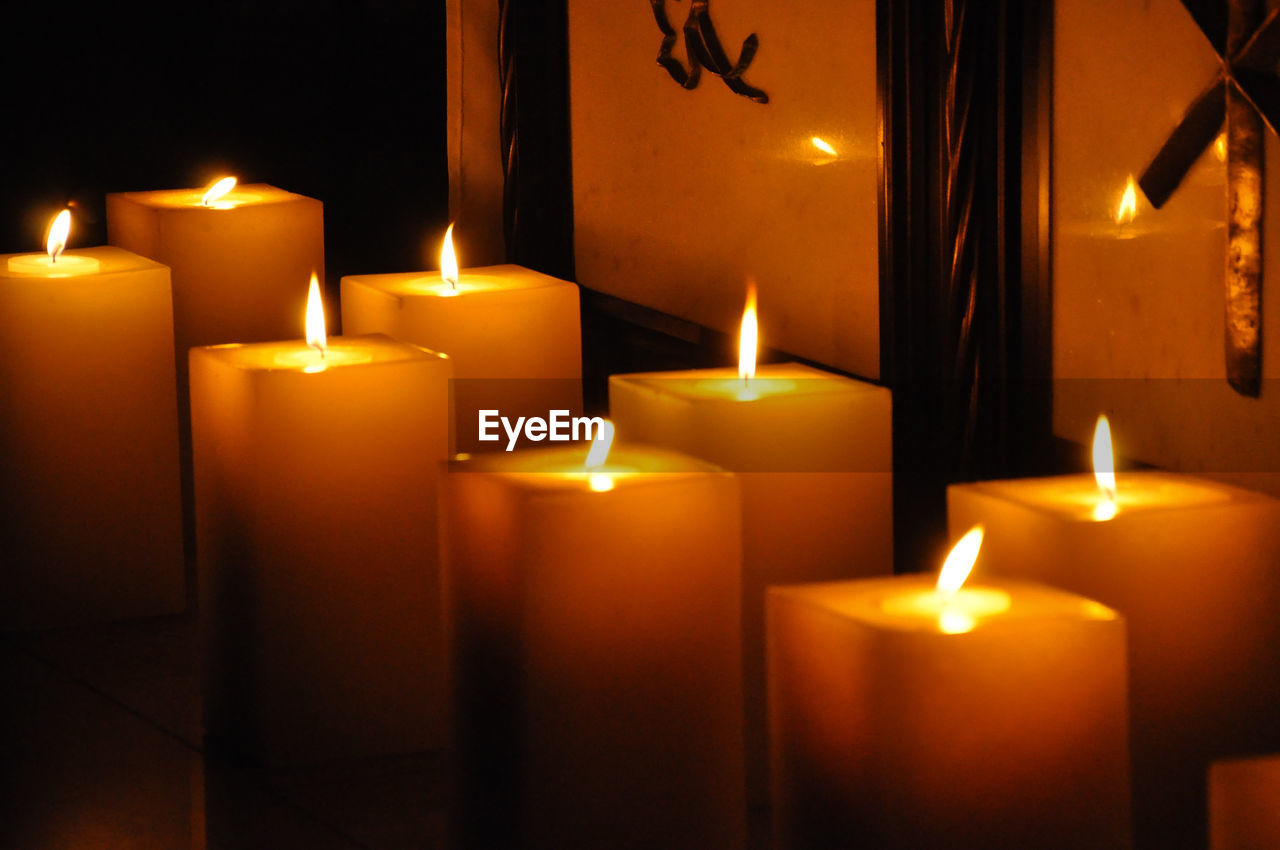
x=748 y=337
x=316 y=337
x=1128 y=207
x=55 y=263
x=955 y=608
x=449 y=260
x=216 y=190
x=1104 y=470
x=960 y=561
x=59 y=230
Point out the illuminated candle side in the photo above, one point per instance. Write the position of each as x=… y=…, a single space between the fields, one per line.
x=89 y=444
x=895 y=725
x=813 y=455
x=316 y=497
x=514 y=334
x=1194 y=568
x=235 y=261
x=593 y=635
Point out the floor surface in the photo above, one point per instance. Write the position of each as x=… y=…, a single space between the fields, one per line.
x=100 y=747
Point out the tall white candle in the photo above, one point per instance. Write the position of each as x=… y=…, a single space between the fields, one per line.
x=90 y=514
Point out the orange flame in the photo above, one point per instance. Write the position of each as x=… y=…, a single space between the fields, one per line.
x=748 y=337
x=960 y=561
x=1104 y=470
x=600 y=481
x=59 y=231
x=823 y=145
x=216 y=190
x=1128 y=207
x=316 y=337
x=449 y=260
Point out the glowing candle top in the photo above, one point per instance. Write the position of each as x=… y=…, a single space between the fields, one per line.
x=55 y=262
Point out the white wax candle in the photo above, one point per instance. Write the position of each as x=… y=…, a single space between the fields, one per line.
x=593 y=620
x=903 y=718
x=1194 y=567
x=813 y=455
x=89 y=497
x=513 y=334
x=316 y=508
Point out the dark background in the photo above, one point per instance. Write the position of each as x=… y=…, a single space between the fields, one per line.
x=344 y=106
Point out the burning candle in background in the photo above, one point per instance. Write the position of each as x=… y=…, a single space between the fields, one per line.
x=315 y=466
x=909 y=713
x=514 y=334
x=90 y=513
x=592 y=611
x=813 y=455
x=1194 y=567
x=236 y=254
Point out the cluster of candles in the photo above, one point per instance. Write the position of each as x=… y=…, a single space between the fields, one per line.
x=640 y=640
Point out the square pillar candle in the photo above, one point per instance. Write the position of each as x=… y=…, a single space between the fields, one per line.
x=1194 y=567
x=90 y=510
x=238 y=258
x=904 y=718
x=813 y=455
x=1244 y=803
x=513 y=334
x=593 y=632
x=316 y=519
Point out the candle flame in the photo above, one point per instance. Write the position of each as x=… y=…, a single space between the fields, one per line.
x=600 y=446
x=823 y=145
x=748 y=337
x=217 y=189
x=59 y=230
x=960 y=561
x=449 y=260
x=1220 y=147
x=1104 y=469
x=316 y=337
x=1128 y=207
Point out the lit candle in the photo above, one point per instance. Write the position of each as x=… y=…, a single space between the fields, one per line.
x=813 y=453
x=907 y=713
x=236 y=254
x=1194 y=567
x=315 y=468
x=513 y=334
x=592 y=611
x=1244 y=804
x=55 y=262
x=89 y=497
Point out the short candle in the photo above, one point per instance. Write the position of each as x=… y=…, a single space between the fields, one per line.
x=1194 y=568
x=908 y=713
